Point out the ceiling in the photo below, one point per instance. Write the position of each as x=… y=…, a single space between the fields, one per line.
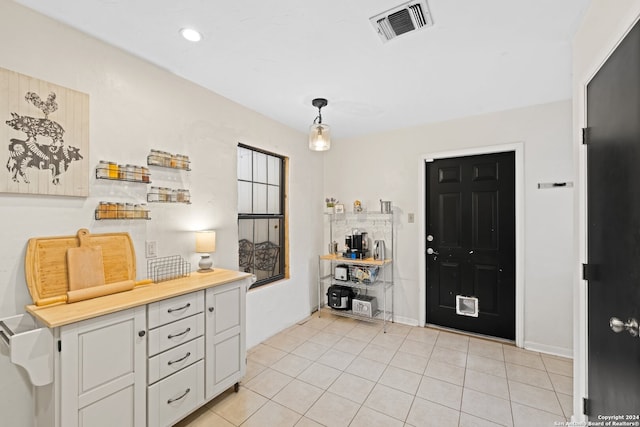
x=274 y=57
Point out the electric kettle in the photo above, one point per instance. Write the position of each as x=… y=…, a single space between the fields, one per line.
x=378 y=250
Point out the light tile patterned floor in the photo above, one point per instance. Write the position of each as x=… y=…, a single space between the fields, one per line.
x=335 y=371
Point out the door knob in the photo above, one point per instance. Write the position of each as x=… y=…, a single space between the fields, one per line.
x=430 y=251
x=618 y=326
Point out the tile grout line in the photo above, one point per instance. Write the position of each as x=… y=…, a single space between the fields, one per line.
x=343 y=332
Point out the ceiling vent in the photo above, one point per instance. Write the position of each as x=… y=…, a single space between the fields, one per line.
x=403 y=19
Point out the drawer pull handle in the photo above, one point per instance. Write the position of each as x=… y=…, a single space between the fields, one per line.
x=170 y=401
x=171 y=362
x=180 y=334
x=171 y=310
x=4 y=336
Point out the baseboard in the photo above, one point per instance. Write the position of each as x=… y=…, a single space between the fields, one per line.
x=549 y=349
x=405 y=320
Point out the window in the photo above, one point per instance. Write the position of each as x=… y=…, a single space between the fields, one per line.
x=261 y=214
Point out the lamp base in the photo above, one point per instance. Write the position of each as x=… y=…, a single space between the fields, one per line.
x=205 y=264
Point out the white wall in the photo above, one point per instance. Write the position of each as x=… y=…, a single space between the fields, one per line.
x=387 y=166
x=135 y=106
x=603 y=27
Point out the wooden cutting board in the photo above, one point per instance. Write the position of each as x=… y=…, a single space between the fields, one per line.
x=46 y=267
x=85 y=264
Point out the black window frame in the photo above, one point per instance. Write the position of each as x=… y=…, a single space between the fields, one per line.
x=280 y=217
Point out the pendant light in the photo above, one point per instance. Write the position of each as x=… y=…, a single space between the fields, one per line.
x=319 y=133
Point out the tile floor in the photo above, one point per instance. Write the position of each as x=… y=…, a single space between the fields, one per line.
x=335 y=371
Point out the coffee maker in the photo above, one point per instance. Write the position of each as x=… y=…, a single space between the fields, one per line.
x=356 y=244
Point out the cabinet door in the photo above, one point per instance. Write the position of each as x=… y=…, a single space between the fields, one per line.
x=102 y=371
x=225 y=336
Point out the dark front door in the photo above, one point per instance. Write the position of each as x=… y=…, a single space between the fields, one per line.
x=471 y=243
x=613 y=231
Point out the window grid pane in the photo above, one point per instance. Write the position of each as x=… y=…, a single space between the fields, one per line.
x=259 y=167
x=245 y=160
x=245 y=199
x=260 y=216
x=259 y=199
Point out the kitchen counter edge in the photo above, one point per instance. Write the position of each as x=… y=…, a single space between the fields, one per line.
x=62 y=314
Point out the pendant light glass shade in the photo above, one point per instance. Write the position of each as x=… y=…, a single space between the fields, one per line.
x=319 y=133
x=319 y=137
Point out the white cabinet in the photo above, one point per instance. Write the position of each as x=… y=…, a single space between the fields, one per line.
x=176 y=396
x=176 y=352
x=147 y=357
x=101 y=371
x=225 y=361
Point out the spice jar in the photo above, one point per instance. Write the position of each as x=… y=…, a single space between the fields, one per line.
x=120 y=210
x=129 y=210
x=102 y=171
x=145 y=174
x=154 y=194
x=154 y=158
x=113 y=170
x=101 y=211
x=112 y=210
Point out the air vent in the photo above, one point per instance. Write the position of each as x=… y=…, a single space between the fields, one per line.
x=403 y=19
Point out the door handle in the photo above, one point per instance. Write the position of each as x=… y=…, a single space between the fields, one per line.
x=618 y=326
x=430 y=251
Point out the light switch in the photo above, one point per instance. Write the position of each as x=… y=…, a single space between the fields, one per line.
x=411 y=218
x=151 y=249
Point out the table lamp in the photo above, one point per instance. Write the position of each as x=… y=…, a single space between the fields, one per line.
x=205 y=245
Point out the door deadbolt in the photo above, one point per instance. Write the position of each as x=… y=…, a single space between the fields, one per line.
x=429 y=238
x=618 y=326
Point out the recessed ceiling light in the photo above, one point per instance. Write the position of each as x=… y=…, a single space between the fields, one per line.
x=191 y=34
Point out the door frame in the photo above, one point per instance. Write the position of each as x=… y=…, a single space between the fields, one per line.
x=581 y=302
x=518 y=148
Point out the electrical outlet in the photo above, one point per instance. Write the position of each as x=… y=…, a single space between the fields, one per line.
x=151 y=249
x=411 y=218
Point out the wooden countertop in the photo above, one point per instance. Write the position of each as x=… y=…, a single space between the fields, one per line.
x=364 y=261
x=64 y=314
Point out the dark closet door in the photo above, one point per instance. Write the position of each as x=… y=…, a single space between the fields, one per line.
x=613 y=232
x=471 y=242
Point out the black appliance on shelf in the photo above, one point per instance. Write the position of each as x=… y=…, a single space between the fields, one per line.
x=340 y=297
x=357 y=245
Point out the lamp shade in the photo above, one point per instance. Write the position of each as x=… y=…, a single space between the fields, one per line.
x=205 y=241
x=319 y=137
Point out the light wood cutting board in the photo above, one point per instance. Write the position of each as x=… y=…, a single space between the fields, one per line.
x=46 y=266
x=85 y=264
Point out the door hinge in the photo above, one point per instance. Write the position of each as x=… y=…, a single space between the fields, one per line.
x=585 y=135
x=59 y=346
x=589 y=272
x=585 y=272
x=585 y=406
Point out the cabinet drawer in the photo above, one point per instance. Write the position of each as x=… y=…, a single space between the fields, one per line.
x=167 y=311
x=176 y=333
x=176 y=396
x=29 y=346
x=173 y=360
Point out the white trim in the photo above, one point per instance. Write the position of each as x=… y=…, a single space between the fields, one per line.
x=581 y=313
x=405 y=320
x=518 y=148
x=549 y=349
